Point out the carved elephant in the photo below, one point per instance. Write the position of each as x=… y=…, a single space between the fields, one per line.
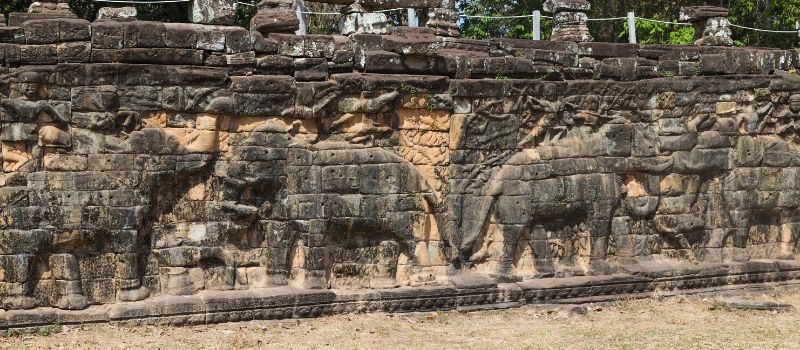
x=96 y=221
x=554 y=188
x=331 y=214
x=525 y=194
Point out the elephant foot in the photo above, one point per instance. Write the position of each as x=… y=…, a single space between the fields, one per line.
x=72 y=302
x=136 y=294
x=422 y=277
x=19 y=303
x=383 y=283
x=310 y=280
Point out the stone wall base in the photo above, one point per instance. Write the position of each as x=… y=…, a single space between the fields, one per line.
x=467 y=292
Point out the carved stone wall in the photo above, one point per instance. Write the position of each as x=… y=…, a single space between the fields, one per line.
x=295 y=176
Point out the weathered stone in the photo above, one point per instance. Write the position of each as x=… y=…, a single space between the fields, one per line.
x=189 y=159
x=275 y=16
x=569 y=20
x=16 y=19
x=212 y=11
x=117 y=13
x=711 y=25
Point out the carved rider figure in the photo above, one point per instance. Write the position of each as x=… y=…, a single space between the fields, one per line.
x=787 y=122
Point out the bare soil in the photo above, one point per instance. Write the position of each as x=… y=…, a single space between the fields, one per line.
x=655 y=323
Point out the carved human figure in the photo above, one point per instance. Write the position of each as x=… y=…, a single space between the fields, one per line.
x=788 y=120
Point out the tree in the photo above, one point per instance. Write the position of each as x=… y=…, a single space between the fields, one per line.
x=765 y=14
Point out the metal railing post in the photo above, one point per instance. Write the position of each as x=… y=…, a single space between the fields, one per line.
x=413 y=20
x=537 y=25
x=631 y=27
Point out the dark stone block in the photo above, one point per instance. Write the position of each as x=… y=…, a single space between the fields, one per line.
x=180 y=35
x=238 y=40
x=41 y=31
x=77 y=52
x=274 y=65
x=74 y=30
x=144 y=34
x=263 y=104
x=108 y=35
x=38 y=54
x=310 y=69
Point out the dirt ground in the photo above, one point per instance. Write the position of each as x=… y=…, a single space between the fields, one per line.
x=672 y=323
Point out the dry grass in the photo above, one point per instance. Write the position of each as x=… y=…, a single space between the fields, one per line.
x=674 y=323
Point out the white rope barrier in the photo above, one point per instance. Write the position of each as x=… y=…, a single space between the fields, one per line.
x=494 y=17
x=501 y=17
x=607 y=19
x=389 y=10
x=663 y=22
x=764 y=30
x=319 y=13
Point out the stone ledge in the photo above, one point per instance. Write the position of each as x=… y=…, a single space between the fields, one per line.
x=407 y=51
x=468 y=292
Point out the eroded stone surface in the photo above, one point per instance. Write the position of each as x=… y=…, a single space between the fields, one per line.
x=176 y=172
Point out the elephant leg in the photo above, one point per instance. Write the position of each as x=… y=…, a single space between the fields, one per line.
x=129 y=271
x=314 y=266
x=65 y=268
x=20 y=298
x=683 y=243
x=788 y=240
x=128 y=278
x=281 y=241
x=413 y=245
x=506 y=266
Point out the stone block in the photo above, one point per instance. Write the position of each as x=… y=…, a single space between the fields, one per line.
x=77 y=52
x=212 y=11
x=41 y=31
x=74 y=30
x=108 y=35
x=238 y=40
x=144 y=34
x=126 y=13
x=268 y=21
x=181 y=35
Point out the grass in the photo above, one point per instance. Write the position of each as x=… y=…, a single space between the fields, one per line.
x=673 y=323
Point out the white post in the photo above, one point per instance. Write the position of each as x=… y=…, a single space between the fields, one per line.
x=537 y=25
x=300 y=6
x=797 y=26
x=413 y=20
x=631 y=27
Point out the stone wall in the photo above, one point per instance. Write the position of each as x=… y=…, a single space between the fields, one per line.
x=294 y=176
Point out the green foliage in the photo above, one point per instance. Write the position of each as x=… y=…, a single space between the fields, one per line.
x=655 y=33
x=408 y=88
x=482 y=28
x=323 y=24
x=7 y=6
x=244 y=14
x=765 y=14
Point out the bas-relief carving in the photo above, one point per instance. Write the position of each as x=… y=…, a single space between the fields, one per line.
x=645 y=203
x=126 y=193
